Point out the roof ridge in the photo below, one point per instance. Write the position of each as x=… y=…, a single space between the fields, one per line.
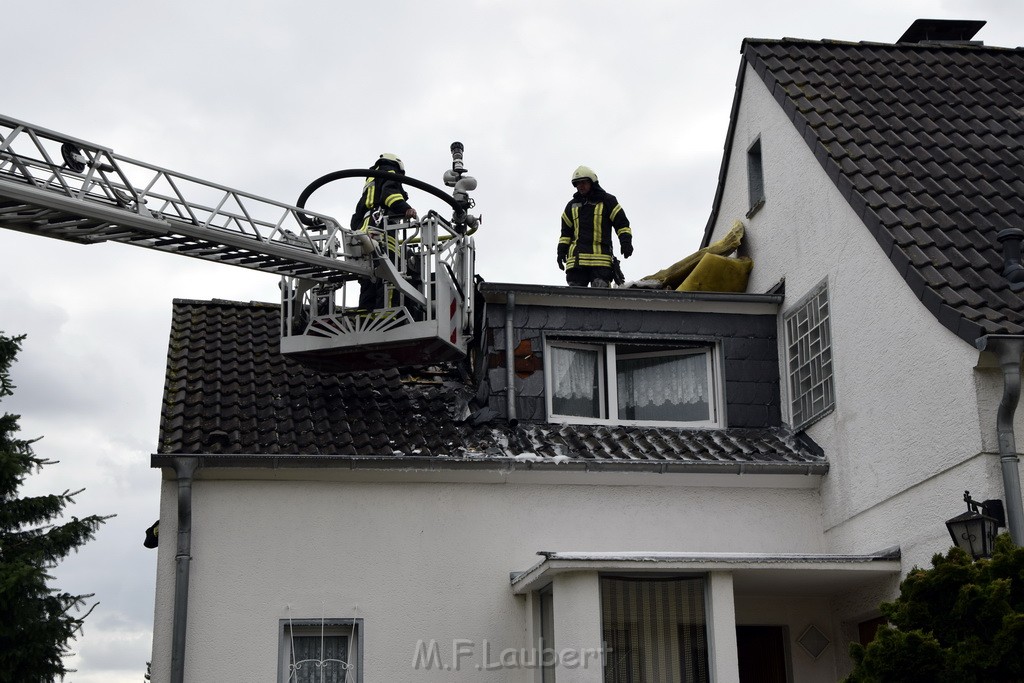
x=224 y=302
x=928 y=45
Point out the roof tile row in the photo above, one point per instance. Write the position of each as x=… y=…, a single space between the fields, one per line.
x=229 y=391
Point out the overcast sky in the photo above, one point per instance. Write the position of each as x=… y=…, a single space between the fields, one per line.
x=265 y=97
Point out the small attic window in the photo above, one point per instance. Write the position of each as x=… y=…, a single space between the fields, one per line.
x=755 y=177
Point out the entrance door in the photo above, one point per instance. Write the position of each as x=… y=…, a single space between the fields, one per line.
x=762 y=654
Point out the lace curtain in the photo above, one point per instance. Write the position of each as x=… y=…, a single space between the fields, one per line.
x=663 y=388
x=656 y=630
x=575 y=388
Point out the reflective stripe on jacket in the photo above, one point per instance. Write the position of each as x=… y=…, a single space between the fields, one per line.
x=381 y=194
x=588 y=223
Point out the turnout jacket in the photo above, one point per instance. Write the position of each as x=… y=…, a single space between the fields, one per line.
x=587 y=226
x=384 y=194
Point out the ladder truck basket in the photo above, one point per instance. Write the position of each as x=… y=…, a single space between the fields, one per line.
x=427 y=312
x=54 y=185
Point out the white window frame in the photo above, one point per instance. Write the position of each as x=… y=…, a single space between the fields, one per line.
x=608 y=352
x=351 y=628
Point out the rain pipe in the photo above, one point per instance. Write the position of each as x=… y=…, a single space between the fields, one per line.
x=184 y=468
x=510 y=361
x=1008 y=350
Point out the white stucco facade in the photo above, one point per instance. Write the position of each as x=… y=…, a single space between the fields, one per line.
x=914 y=421
x=427 y=556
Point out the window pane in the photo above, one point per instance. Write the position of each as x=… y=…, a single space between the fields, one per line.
x=755 y=174
x=664 y=388
x=313 y=665
x=575 y=382
x=656 y=630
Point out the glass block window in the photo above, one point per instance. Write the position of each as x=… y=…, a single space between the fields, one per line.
x=809 y=356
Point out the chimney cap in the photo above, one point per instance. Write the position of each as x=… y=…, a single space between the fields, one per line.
x=942 y=30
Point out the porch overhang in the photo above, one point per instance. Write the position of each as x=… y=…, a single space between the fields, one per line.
x=804 y=574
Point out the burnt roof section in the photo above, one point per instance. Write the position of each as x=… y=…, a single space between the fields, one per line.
x=229 y=391
x=925 y=142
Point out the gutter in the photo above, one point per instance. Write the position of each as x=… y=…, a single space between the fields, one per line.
x=510 y=361
x=482 y=462
x=1008 y=349
x=871 y=566
x=496 y=292
x=184 y=469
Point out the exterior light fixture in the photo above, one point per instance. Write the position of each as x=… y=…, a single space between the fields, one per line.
x=974 y=531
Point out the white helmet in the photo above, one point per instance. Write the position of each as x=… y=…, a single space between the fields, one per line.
x=583 y=173
x=395 y=159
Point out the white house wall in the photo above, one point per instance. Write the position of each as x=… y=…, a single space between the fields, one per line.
x=905 y=437
x=798 y=613
x=422 y=561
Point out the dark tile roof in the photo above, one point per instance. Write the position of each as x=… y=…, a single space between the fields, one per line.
x=229 y=391
x=925 y=143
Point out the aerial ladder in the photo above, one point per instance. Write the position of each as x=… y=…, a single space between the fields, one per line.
x=58 y=186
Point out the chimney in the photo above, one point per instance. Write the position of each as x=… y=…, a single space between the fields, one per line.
x=944 y=31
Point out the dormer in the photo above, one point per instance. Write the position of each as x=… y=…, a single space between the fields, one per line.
x=631 y=357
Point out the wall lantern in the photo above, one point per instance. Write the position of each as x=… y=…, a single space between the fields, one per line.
x=974 y=531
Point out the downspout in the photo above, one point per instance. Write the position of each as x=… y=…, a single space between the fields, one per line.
x=1008 y=349
x=510 y=361
x=184 y=469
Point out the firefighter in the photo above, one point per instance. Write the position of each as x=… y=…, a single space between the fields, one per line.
x=382 y=197
x=585 y=246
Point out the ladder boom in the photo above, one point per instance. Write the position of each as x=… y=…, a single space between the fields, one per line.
x=62 y=187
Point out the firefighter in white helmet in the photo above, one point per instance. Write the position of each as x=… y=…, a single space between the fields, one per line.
x=590 y=219
x=381 y=197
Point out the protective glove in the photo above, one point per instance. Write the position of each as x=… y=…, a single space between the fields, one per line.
x=563 y=254
x=626 y=246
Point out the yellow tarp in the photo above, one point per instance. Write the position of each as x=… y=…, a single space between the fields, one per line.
x=716 y=273
x=673 y=276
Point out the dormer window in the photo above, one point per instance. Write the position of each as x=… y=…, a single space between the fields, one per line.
x=632 y=384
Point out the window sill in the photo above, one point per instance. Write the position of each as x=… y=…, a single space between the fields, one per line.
x=755 y=208
x=574 y=420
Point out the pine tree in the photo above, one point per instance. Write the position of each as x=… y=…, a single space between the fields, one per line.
x=36 y=620
x=958 y=622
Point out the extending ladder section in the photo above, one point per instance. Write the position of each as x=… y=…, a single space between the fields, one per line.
x=57 y=186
